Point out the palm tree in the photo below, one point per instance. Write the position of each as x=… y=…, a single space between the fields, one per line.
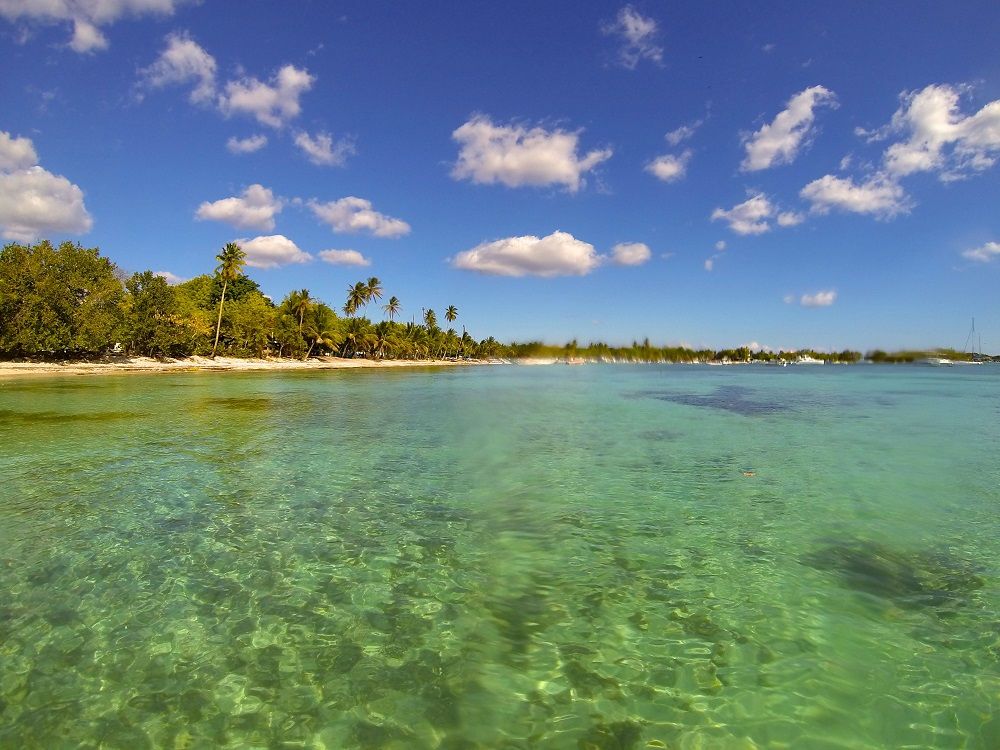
x=321 y=329
x=451 y=314
x=357 y=297
x=392 y=307
x=430 y=318
x=382 y=338
x=300 y=302
x=373 y=290
x=231 y=261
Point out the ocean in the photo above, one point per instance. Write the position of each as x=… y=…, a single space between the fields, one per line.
x=601 y=556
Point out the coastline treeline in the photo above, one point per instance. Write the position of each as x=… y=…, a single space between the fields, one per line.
x=71 y=302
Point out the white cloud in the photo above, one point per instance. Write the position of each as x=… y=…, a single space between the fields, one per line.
x=87 y=37
x=638 y=35
x=940 y=137
x=33 y=201
x=322 y=150
x=669 y=167
x=246 y=145
x=878 y=195
x=272 y=251
x=559 y=254
x=819 y=299
x=984 y=254
x=86 y=16
x=630 y=253
x=779 y=142
x=681 y=134
x=344 y=258
x=710 y=263
x=16 y=153
x=515 y=155
x=183 y=61
x=273 y=103
x=171 y=278
x=720 y=245
x=353 y=214
x=255 y=209
x=749 y=217
x=790 y=219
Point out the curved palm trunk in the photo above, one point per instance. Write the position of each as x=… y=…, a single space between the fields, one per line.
x=218 y=323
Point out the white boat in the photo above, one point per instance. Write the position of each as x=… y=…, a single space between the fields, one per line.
x=935 y=361
x=805 y=359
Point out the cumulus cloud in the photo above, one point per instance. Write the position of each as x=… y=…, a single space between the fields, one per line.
x=710 y=262
x=819 y=299
x=630 y=253
x=638 y=35
x=779 y=141
x=353 y=214
x=515 y=155
x=344 y=258
x=183 y=61
x=558 y=254
x=246 y=145
x=983 y=254
x=272 y=251
x=255 y=209
x=749 y=217
x=274 y=103
x=33 y=201
x=85 y=16
x=669 y=167
x=878 y=195
x=322 y=150
x=16 y=153
x=171 y=278
x=720 y=245
x=939 y=137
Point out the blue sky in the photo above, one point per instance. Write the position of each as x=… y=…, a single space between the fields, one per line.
x=791 y=174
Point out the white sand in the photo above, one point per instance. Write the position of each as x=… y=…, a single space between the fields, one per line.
x=205 y=364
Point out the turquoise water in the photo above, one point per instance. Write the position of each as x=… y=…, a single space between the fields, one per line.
x=546 y=557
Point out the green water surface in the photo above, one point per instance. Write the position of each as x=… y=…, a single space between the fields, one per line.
x=502 y=557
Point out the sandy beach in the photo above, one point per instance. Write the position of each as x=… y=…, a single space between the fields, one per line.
x=205 y=364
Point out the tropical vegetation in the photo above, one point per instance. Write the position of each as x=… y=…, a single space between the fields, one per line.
x=71 y=302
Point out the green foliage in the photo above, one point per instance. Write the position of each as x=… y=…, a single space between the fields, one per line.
x=66 y=300
x=153 y=323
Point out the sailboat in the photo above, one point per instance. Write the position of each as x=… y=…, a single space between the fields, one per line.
x=977 y=359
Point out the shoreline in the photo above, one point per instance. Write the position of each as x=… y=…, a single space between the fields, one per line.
x=149 y=365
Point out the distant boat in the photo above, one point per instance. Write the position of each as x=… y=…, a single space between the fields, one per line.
x=977 y=359
x=935 y=361
x=805 y=359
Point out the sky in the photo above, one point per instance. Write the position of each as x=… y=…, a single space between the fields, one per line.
x=773 y=174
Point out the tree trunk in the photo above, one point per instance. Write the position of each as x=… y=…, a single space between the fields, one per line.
x=218 y=324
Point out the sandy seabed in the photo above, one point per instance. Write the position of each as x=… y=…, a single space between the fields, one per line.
x=206 y=364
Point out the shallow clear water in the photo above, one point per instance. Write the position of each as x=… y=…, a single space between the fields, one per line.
x=560 y=557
